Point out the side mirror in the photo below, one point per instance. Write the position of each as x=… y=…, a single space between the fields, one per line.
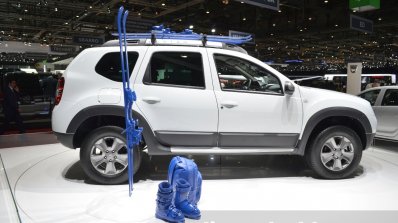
x=289 y=88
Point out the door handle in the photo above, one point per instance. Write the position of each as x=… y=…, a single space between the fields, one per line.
x=151 y=100
x=229 y=104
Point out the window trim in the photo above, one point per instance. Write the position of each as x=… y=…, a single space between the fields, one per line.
x=147 y=74
x=248 y=91
x=384 y=96
x=118 y=53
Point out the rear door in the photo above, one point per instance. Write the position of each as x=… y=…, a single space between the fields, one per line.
x=387 y=115
x=175 y=94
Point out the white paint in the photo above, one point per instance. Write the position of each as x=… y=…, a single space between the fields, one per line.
x=109 y=96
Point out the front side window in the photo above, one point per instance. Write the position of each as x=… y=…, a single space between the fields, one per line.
x=241 y=75
x=176 y=68
x=109 y=65
x=370 y=96
x=390 y=98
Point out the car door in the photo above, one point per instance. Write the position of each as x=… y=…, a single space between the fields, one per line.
x=175 y=95
x=387 y=115
x=253 y=109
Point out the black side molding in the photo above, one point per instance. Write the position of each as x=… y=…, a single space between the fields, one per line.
x=265 y=140
x=154 y=147
x=334 y=112
x=65 y=139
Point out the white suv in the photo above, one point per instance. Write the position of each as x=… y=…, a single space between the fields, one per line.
x=195 y=99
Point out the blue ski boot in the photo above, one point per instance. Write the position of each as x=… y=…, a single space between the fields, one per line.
x=165 y=209
x=181 y=200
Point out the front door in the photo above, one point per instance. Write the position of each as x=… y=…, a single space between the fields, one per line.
x=253 y=109
x=387 y=115
x=176 y=96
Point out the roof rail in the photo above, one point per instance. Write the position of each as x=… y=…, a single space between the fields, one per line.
x=172 y=42
x=159 y=32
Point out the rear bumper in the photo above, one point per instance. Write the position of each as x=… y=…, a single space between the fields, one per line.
x=369 y=139
x=65 y=139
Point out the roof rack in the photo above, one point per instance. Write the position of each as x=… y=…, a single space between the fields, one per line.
x=159 y=32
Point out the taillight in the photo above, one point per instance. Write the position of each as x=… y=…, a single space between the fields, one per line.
x=60 y=89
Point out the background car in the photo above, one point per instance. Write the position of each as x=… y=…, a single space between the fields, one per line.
x=384 y=101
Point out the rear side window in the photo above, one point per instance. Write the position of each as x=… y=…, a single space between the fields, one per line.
x=109 y=65
x=176 y=68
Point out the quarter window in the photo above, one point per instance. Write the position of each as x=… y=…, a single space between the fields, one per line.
x=370 y=96
x=109 y=65
x=390 y=98
x=176 y=68
x=241 y=75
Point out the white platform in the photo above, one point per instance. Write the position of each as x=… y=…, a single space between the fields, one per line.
x=44 y=193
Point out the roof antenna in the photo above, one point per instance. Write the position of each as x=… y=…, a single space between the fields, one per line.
x=204 y=39
x=153 y=38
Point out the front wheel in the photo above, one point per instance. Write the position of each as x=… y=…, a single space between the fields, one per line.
x=104 y=156
x=335 y=153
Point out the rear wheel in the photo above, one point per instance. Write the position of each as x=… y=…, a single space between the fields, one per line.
x=335 y=153
x=104 y=156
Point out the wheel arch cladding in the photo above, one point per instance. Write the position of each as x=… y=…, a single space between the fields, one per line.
x=349 y=117
x=93 y=117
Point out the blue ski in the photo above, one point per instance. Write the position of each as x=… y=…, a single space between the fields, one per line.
x=133 y=132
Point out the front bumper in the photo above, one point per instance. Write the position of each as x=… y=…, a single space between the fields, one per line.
x=65 y=139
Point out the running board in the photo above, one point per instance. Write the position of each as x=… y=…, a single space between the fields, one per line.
x=218 y=150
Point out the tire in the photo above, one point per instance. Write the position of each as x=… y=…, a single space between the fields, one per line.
x=95 y=162
x=322 y=145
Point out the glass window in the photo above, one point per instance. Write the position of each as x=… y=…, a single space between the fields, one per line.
x=109 y=65
x=238 y=74
x=390 y=98
x=370 y=96
x=176 y=68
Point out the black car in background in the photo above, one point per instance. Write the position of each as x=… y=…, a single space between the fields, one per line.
x=33 y=102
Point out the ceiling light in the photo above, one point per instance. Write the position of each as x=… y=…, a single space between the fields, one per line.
x=66 y=23
x=279 y=10
x=310 y=18
x=26 y=10
x=379 y=19
x=244 y=19
x=20 y=18
x=191 y=26
x=180 y=20
x=273 y=24
x=56 y=9
x=213 y=30
x=163 y=4
x=301 y=30
x=336 y=25
x=207 y=12
x=326 y=1
x=77 y=16
x=139 y=13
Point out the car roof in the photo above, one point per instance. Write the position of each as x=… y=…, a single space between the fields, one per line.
x=380 y=88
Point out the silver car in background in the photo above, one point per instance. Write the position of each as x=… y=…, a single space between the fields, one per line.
x=384 y=101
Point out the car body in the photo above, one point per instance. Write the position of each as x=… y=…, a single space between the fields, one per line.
x=384 y=101
x=199 y=100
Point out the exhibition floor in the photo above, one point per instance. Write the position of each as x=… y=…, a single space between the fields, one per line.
x=50 y=186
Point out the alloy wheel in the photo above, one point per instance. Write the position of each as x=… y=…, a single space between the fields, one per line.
x=337 y=153
x=109 y=156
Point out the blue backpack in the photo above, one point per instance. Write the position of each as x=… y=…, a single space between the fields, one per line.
x=187 y=169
